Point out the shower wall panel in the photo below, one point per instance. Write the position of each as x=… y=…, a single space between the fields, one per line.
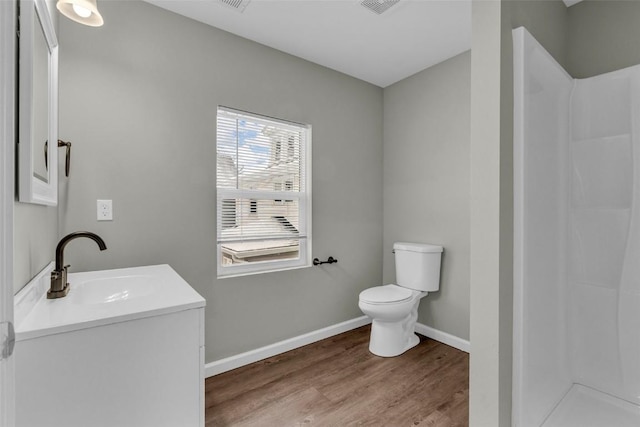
x=604 y=252
x=542 y=92
x=577 y=238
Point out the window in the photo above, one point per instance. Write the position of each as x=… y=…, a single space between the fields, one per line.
x=277 y=186
x=262 y=162
x=229 y=213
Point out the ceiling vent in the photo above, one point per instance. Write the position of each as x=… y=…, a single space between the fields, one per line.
x=379 y=6
x=238 y=5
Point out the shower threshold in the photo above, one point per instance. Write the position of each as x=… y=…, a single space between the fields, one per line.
x=585 y=407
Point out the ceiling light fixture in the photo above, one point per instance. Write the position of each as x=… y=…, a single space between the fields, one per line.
x=82 y=11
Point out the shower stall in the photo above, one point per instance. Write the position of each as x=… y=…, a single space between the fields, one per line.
x=576 y=244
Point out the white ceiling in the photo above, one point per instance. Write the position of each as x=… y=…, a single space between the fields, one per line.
x=344 y=35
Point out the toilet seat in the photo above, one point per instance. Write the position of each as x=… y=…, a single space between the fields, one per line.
x=387 y=294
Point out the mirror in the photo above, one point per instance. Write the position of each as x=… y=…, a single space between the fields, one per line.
x=38 y=105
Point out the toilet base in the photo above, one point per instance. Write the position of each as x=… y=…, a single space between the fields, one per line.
x=392 y=335
x=390 y=339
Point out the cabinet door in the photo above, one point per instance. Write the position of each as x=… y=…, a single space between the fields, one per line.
x=142 y=372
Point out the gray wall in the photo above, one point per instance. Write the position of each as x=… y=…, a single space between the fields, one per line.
x=139 y=104
x=492 y=192
x=35 y=227
x=426 y=182
x=546 y=20
x=35 y=230
x=603 y=36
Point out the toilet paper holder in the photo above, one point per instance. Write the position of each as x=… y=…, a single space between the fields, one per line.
x=329 y=260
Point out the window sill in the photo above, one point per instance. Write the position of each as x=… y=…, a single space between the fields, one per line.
x=255 y=273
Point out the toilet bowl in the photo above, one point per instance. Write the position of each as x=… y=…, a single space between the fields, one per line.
x=394 y=308
x=394 y=312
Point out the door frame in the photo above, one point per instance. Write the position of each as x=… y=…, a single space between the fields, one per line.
x=8 y=40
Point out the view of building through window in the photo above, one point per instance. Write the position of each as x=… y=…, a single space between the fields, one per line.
x=262 y=191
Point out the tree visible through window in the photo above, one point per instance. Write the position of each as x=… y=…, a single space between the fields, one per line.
x=261 y=162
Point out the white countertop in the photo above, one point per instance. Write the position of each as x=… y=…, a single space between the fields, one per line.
x=99 y=298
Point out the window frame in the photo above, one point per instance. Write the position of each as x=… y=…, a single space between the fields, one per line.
x=304 y=203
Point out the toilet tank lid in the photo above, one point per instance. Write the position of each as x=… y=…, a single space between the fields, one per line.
x=417 y=247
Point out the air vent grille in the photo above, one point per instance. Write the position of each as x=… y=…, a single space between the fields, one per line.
x=238 y=5
x=379 y=6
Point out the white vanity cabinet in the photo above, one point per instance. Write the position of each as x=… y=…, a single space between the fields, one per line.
x=113 y=356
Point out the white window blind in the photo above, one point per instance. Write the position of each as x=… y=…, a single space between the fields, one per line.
x=263 y=203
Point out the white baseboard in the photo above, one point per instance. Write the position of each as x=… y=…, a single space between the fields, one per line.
x=233 y=362
x=443 y=337
x=242 y=359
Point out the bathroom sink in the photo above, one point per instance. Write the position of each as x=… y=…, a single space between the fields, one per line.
x=99 y=298
x=102 y=346
x=109 y=290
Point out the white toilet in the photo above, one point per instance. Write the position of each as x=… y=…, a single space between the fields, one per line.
x=394 y=308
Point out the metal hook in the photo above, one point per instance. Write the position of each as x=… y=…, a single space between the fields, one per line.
x=67 y=161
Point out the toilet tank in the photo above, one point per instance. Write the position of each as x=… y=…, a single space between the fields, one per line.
x=418 y=266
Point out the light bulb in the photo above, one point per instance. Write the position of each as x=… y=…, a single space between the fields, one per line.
x=81 y=11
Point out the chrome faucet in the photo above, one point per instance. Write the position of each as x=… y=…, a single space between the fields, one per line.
x=59 y=286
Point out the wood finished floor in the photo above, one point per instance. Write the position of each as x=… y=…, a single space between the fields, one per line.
x=337 y=382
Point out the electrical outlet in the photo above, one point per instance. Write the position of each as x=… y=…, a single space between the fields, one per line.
x=105 y=210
